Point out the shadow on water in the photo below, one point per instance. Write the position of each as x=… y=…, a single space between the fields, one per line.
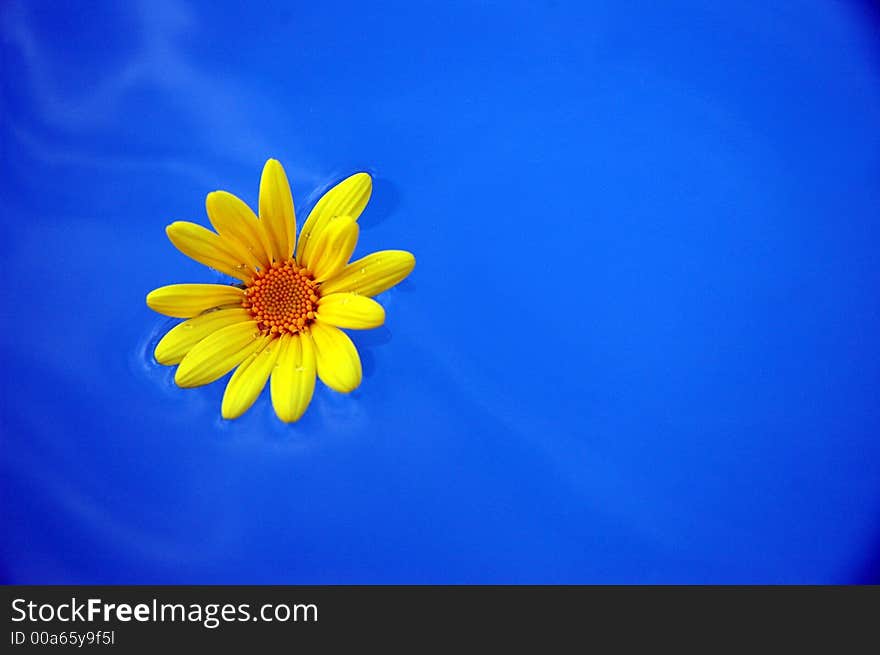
x=383 y=203
x=384 y=200
x=366 y=342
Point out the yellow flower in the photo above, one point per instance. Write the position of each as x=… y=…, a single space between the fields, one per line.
x=283 y=320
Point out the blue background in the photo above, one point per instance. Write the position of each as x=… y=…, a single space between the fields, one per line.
x=641 y=343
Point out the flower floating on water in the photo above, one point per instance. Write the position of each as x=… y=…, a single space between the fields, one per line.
x=283 y=322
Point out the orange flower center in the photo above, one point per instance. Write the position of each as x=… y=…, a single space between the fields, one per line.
x=282 y=298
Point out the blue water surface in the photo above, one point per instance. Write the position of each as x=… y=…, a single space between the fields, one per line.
x=641 y=343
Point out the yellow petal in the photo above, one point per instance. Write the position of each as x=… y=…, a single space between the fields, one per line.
x=186 y=300
x=250 y=377
x=235 y=221
x=349 y=310
x=372 y=274
x=339 y=365
x=181 y=338
x=208 y=248
x=348 y=198
x=293 y=378
x=217 y=354
x=276 y=210
x=332 y=249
